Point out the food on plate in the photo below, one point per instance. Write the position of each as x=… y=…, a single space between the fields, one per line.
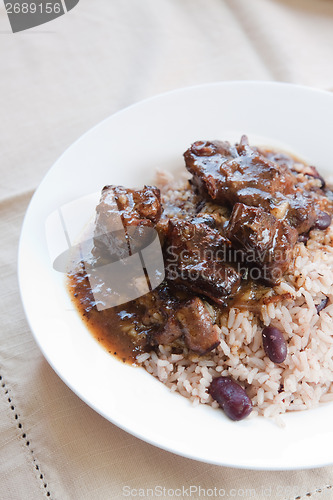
x=243 y=317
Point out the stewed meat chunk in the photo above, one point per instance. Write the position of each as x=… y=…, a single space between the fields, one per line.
x=168 y=333
x=230 y=174
x=266 y=241
x=241 y=174
x=122 y=216
x=169 y=314
x=157 y=310
x=200 y=333
x=194 y=257
x=134 y=206
x=188 y=319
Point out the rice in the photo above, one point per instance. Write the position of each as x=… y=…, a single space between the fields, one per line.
x=305 y=378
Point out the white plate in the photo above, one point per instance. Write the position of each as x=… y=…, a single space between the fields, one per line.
x=126 y=148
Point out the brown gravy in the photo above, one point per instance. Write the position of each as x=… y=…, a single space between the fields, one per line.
x=120 y=330
x=111 y=327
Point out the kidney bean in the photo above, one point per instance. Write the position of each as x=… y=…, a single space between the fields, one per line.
x=322 y=304
x=274 y=344
x=323 y=221
x=231 y=397
x=303 y=238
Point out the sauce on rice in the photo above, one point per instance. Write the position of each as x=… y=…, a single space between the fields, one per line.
x=237 y=226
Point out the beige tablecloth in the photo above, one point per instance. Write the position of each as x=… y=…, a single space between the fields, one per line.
x=57 y=81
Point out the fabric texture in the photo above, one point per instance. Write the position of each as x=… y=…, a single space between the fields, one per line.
x=56 y=82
